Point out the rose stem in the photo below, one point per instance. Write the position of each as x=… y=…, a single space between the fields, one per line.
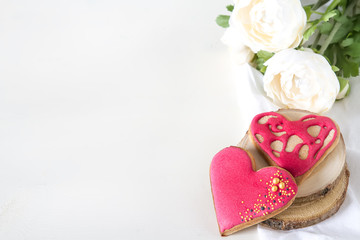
x=330 y=38
x=316 y=41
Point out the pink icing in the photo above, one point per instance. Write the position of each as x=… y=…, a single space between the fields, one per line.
x=243 y=195
x=291 y=160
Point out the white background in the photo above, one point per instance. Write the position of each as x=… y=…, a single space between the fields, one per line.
x=110 y=113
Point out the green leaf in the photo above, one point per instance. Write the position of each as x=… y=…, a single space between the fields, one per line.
x=264 y=55
x=357 y=24
x=343 y=31
x=260 y=58
x=263 y=69
x=357 y=60
x=230 y=8
x=334 y=68
x=356 y=37
x=326 y=28
x=343 y=82
x=329 y=15
x=309 y=32
x=342 y=19
x=347 y=42
x=348 y=67
x=308 y=11
x=353 y=50
x=348 y=91
x=344 y=88
x=330 y=55
x=223 y=21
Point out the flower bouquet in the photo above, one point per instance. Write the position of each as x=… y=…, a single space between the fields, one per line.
x=306 y=53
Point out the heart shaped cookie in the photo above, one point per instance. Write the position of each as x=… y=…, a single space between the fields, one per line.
x=244 y=197
x=298 y=146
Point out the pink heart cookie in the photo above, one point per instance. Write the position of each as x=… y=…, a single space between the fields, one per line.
x=244 y=197
x=298 y=146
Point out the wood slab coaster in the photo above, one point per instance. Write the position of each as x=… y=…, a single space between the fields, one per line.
x=328 y=175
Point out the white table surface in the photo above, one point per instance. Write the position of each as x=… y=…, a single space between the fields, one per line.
x=110 y=113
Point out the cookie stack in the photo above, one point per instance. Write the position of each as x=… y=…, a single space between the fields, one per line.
x=289 y=171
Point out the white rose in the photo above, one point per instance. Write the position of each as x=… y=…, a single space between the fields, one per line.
x=301 y=80
x=270 y=25
x=239 y=52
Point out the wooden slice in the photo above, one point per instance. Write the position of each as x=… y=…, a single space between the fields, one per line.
x=304 y=214
x=320 y=195
x=323 y=177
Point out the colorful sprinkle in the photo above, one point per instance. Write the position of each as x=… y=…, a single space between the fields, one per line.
x=277 y=189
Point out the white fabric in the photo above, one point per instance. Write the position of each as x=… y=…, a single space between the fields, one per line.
x=345 y=224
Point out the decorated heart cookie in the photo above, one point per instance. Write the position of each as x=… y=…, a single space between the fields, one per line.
x=243 y=196
x=297 y=146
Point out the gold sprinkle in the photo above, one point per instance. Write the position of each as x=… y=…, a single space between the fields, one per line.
x=276 y=180
x=282 y=185
x=274 y=188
